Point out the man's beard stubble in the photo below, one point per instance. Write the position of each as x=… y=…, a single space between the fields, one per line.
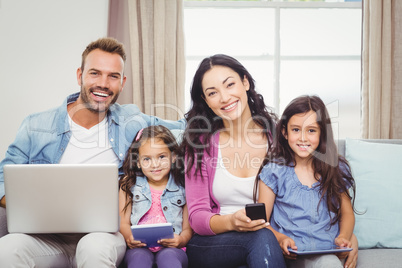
x=96 y=107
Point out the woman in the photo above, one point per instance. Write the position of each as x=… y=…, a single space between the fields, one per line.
x=227 y=136
x=228 y=133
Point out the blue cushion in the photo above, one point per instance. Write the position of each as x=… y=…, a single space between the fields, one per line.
x=376 y=168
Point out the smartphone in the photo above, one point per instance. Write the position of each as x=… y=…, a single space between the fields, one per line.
x=256 y=211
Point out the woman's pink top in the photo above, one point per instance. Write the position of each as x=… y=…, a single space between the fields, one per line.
x=201 y=202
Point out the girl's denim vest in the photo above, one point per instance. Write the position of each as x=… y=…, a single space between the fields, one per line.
x=172 y=201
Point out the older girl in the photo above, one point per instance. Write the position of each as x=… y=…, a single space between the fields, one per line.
x=305 y=185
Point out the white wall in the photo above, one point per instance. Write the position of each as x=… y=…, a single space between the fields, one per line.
x=41 y=42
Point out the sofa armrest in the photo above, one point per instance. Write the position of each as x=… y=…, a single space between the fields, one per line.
x=3 y=222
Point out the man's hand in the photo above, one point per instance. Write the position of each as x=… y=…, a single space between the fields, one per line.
x=3 y=202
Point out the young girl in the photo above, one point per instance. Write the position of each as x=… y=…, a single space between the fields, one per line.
x=305 y=184
x=152 y=191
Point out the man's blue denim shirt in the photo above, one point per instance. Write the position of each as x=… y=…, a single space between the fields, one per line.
x=173 y=200
x=43 y=137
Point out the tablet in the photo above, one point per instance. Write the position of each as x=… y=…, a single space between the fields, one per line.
x=320 y=251
x=151 y=233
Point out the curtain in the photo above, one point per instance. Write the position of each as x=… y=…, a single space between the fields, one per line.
x=157 y=54
x=381 y=69
x=152 y=32
x=119 y=29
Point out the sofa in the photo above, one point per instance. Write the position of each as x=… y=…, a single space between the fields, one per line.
x=374 y=165
x=377 y=229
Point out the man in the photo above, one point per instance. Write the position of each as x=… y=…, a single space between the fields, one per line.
x=88 y=128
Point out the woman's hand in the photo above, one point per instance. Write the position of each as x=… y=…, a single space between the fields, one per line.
x=241 y=223
x=237 y=221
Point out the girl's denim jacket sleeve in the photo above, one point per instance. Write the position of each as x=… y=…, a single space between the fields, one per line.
x=173 y=200
x=43 y=137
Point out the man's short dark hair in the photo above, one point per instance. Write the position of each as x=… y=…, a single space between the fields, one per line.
x=106 y=44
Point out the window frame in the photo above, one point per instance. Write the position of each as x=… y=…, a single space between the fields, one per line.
x=277 y=6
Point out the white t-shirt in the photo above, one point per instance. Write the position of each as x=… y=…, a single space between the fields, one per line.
x=90 y=146
x=232 y=192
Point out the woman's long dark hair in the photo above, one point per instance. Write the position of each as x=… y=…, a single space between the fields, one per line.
x=131 y=169
x=202 y=122
x=333 y=180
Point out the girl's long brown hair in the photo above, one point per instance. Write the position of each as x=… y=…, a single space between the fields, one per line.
x=327 y=163
x=130 y=167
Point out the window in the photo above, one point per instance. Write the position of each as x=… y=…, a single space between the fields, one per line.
x=290 y=48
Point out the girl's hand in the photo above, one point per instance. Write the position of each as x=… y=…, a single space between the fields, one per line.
x=171 y=242
x=285 y=243
x=342 y=242
x=131 y=243
x=241 y=223
x=351 y=260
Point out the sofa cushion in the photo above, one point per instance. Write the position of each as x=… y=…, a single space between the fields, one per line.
x=374 y=258
x=3 y=222
x=376 y=169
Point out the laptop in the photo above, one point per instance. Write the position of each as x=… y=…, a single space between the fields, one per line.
x=62 y=198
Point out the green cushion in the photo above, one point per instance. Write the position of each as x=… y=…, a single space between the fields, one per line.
x=376 y=168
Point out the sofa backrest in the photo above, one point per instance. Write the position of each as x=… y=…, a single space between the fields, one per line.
x=341 y=143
